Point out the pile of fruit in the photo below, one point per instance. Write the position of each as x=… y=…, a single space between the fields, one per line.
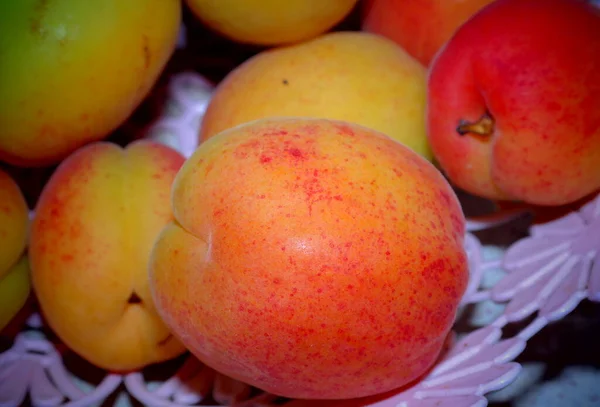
x=312 y=245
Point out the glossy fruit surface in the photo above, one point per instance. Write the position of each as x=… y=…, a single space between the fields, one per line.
x=311 y=258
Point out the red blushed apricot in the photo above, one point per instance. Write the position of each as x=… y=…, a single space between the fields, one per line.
x=513 y=102
x=311 y=258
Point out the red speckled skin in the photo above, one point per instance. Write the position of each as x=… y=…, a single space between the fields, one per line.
x=535 y=66
x=95 y=224
x=311 y=258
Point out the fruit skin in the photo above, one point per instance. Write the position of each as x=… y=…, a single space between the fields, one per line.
x=272 y=22
x=73 y=71
x=421 y=27
x=14 y=273
x=350 y=76
x=15 y=286
x=91 y=237
x=14 y=222
x=311 y=258
x=539 y=80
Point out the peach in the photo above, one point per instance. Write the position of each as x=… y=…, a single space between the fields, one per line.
x=351 y=76
x=95 y=223
x=270 y=23
x=72 y=71
x=513 y=102
x=421 y=27
x=311 y=258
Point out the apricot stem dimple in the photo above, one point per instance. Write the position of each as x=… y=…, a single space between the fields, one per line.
x=482 y=127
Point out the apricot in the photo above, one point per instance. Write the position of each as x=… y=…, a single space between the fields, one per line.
x=72 y=71
x=15 y=287
x=270 y=22
x=421 y=27
x=14 y=273
x=351 y=76
x=513 y=107
x=95 y=223
x=14 y=222
x=311 y=258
